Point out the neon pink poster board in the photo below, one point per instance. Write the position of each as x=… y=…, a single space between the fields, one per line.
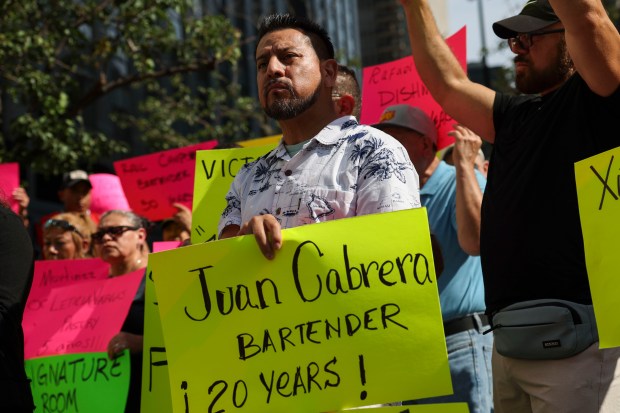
x=9 y=180
x=398 y=82
x=53 y=274
x=165 y=245
x=107 y=193
x=152 y=183
x=83 y=317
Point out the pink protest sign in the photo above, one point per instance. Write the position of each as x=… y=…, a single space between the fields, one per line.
x=9 y=180
x=165 y=245
x=398 y=82
x=83 y=317
x=54 y=274
x=107 y=193
x=152 y=183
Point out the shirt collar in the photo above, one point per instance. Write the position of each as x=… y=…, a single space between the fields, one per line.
x=332 y=133
x=329 y=135
x=280 y=151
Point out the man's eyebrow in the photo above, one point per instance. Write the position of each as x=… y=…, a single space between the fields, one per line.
x=276 y=49
x=264 y=53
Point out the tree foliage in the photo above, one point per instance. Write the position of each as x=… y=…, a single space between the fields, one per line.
x=58 y=57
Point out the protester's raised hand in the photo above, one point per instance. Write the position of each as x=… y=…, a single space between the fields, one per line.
x=466 y=146
x=183 y=216
x=267 y=232
x=21 y=197
x=23 y=200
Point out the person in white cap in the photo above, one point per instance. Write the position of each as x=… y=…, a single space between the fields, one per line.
x=567 y=64
x=452 y=196
x=481 y=164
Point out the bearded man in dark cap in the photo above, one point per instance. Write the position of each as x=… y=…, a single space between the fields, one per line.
x=567 y=65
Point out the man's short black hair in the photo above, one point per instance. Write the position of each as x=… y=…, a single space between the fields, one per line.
x=346 y=83
x=321 y=42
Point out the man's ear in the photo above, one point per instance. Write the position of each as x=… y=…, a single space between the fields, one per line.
x=330 y=72
x=142 y=234
x=347 y=105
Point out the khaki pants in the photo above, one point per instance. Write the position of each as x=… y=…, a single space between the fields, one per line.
x=588 y=382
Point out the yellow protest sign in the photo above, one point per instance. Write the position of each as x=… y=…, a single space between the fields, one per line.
x=267 y=140
x=346 y=315
x=598 y=190
x=155 y=395
x=215 y=171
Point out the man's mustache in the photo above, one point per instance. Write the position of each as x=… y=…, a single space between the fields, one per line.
x=277 y=83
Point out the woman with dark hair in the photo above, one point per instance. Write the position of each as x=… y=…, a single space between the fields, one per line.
x=121 y=241
x=16 y=261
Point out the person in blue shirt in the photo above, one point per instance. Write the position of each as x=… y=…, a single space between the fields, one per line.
x=453 y=197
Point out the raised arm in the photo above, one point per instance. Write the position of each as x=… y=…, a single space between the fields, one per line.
x=469 y=103
x=593 y=43
x=468 y=192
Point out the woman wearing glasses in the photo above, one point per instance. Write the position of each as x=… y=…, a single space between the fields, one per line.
x=66 y=236
x=121 y=241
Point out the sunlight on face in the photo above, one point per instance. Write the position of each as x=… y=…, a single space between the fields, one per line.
x=117 y=247
x=58 y=244
x=288 y=74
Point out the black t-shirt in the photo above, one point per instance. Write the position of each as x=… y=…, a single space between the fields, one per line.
x=531 y=242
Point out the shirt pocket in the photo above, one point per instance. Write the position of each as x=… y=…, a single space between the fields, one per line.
x=320 y=205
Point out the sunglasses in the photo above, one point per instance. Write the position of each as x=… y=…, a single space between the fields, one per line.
x=114 y=232
x=525 y=40
x=62 y=224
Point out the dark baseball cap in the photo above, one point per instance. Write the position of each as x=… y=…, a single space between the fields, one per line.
x=72 y=178
x=536 y=15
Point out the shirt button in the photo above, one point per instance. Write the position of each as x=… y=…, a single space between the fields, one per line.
x=288 y=172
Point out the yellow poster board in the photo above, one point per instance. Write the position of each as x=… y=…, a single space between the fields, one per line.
x=346 y=315
x=267 y=140
x=598 y=190
x=215 y=171
x=155 y=379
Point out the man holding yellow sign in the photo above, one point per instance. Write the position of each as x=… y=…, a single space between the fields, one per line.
x=326 y=167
